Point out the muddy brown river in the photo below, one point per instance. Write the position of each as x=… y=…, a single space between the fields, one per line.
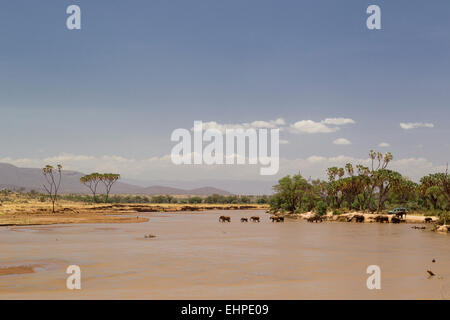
x=193 y=256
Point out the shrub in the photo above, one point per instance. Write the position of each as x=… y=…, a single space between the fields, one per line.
x=262 y=200
x=355 y=205
x=321 y=208
x=195 y=200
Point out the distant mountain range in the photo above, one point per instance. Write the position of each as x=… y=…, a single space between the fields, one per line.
x=15 y=178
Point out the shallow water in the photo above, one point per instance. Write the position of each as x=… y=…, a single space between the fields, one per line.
x=195 y=257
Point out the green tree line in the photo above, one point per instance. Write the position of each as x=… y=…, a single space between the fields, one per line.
x=357 y=187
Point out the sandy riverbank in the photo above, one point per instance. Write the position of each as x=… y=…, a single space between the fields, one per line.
x=368 y=217
x=37 y=213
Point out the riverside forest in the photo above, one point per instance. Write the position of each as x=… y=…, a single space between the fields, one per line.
x=360 y=188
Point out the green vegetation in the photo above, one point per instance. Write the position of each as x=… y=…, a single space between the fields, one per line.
x=195 y=200
x=357 y=187
x=321 y=207
x=9 y=196
x=163 y=199
x=217 y=198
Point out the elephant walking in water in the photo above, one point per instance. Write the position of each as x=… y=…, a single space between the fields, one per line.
x=224 y=219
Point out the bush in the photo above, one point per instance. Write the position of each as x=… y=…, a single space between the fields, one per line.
x=262 y=200
x=195 y=200
x=321 y=208
x=355 y=205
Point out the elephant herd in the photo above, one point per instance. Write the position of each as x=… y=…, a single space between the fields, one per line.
x=317 y=218
x=253 y=219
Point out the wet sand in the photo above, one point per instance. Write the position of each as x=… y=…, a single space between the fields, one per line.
x=193 y=256
x=21 y=269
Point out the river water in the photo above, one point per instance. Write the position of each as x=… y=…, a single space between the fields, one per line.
x=193 y=256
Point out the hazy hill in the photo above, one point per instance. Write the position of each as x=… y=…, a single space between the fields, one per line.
x=14 y=178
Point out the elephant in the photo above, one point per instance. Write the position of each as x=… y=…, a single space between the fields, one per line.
x=224 y=219
x=315 y=218
x=244 y=219
x=382 y=219
x=255 y=219
x=400 y=215
x=396 y=220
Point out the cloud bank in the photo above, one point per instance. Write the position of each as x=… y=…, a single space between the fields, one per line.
x=161 y=168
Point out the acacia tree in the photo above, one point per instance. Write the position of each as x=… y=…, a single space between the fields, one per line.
x=108 y=180
x=53 y=182
x=91 y=181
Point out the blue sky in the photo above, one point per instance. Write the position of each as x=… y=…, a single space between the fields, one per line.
x=140 y=69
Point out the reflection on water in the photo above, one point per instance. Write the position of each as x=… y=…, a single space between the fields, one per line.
x=195 y=257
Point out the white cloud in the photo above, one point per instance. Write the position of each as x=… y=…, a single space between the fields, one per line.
x=68 y=157
x=268 y=124
x=414 y=125
x=384 y=145
x=316 y=159
x=342 y=141
x=258 y=124
x=303 y=126
x=325 y=126
x=309 y=126
x=338 y=121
